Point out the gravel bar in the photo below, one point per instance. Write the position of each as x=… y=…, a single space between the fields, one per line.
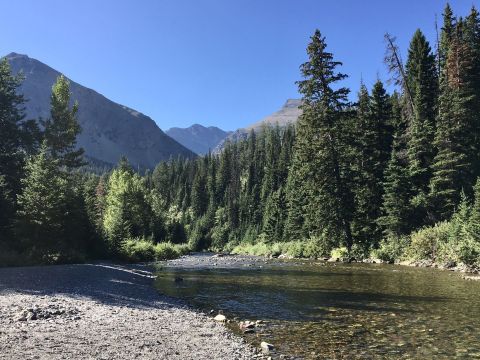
x=104 y=311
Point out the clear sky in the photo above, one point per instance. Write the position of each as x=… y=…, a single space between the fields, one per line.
x=216 y=62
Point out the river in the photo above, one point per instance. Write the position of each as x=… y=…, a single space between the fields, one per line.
x=317 y=310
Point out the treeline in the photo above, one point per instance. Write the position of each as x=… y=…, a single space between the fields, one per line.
x=391 y=175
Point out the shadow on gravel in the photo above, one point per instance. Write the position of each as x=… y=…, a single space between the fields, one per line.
x=118 y=285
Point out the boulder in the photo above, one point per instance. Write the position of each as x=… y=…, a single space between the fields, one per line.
x=266 y=347
x=220 y=318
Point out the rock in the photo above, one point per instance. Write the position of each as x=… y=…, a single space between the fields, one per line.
x=248 y=331
x=259 y=322
x=333 y=259
x=212 y=312
x=247 y=325
x=220 y=318
x=471 y=277
x=31 y=316
x=266 y=347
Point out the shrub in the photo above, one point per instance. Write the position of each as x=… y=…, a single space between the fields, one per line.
x=425 y=242
x=137 y=250
x=339 y=253
x=391 y=248
x=141 y=250
x=168 y=251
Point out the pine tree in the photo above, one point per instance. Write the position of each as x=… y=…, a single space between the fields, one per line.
x=43 y=211
x=199 y=193
x=373 y=143
x=317 y=163
x=62 y=128
x=455 y=136
x=445 y=37
x=423 y=84
x=11 y=152
x=396 y=209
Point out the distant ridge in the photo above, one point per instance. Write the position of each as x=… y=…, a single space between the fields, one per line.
x=198 y=138
x=109 y=130
x=288 y=114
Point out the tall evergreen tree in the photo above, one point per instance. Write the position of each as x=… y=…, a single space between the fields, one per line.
x=423 y=83
x=42 y=212
x=455 y=136
x=317 y=167
x=447 y=31
x=397 y=189
x=373 y=142
x=62 y=128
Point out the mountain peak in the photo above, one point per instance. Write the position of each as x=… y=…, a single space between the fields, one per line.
x=109 y=130
x=14 y=55
x=198 y=138
x=292 y=103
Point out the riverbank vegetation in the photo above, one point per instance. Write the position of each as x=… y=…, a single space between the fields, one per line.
x=391 y=176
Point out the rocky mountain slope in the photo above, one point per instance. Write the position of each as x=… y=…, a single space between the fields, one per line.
x=109 y=130
x=198 y=138
x=288 y=114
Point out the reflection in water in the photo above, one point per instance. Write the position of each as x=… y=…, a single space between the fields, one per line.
x=317 y=310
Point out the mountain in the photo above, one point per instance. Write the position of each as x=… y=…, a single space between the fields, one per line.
x=288 y=114
x=109 y=130
x=198 y=138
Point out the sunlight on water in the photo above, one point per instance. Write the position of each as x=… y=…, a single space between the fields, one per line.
x=316 y=310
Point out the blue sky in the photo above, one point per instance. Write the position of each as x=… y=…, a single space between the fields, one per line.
x=215 y=62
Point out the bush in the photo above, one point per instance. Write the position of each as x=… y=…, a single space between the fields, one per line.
x=339 y=253
x=425 y=242
x=392 y=248
x=142 y=250
x=138 y=250
x=168 y=251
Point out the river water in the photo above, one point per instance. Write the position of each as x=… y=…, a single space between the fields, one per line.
x=318 y=310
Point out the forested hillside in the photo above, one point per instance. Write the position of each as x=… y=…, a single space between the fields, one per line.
x=393 y=176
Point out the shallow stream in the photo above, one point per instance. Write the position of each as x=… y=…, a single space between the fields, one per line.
x=317 y=310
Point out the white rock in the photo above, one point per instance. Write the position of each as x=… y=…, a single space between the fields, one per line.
x=220 y=318
x=266 y=347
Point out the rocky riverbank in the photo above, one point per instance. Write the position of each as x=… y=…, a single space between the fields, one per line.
x=104 y=311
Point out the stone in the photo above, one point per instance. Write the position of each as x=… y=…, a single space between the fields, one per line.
x=220 y=318
x=266 y=347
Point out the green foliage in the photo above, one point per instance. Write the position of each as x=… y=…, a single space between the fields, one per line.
x=42 y=212
x=339 y=253
x=62 y=128
x=336 y=183
x=391 y=248
x=425 y=242
x=144 y=250
x=317 y=172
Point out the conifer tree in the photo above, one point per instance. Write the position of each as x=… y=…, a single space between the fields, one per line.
x=423 y=84
x=455 y=136
x=447 y=31
x=62 y=128
x=397 y=190
x=317 y=163
x=42 y=213
x=373 y=143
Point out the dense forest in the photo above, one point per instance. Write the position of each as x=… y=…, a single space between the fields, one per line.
x=390 y=176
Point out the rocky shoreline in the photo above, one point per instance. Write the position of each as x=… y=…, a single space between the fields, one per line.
x=104 y=311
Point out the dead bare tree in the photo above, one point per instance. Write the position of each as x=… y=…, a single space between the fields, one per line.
x=393 y=60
